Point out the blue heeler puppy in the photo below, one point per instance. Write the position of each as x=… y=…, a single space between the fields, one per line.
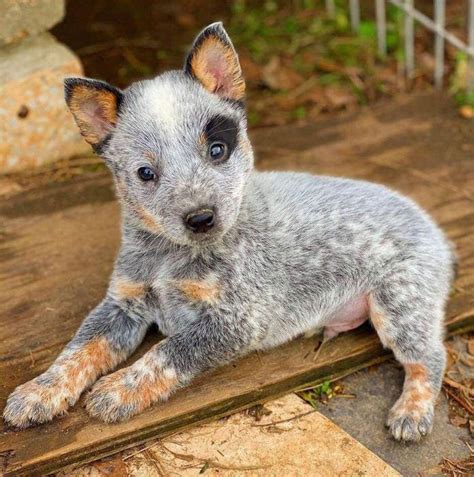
x=227 y=260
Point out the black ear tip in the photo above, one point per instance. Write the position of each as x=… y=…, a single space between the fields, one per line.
x=97 y=85
x=69 y=84
x=216 y=29
x=216 y=25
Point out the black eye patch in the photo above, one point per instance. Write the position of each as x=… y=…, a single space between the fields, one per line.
x=222 y=129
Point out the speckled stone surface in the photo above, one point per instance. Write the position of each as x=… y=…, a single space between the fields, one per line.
x=35 y=125
x=21 y=18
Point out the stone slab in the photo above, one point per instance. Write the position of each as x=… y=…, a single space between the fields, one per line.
x=35 y=126
x=364 y=416
x=291 y=439
x=22 y=18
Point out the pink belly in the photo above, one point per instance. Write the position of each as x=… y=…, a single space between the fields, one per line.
x=348 y=317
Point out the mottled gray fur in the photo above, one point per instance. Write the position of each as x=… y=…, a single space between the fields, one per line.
x=287 y=251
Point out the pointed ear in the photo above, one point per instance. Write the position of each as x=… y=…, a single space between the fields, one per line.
x=213 y=61
x=95 y=106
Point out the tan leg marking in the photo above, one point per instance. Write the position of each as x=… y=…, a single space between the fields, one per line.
x=51 y=393
x=416 y=388
x=83 y=367
x=379 y=321
x=198 y=291
x=131 y=390
x=417 y=394
x=412 y=414
x=149 y=390
x=124 y=289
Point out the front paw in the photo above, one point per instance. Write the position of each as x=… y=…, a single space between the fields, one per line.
x=127 y=392
x=36 y=402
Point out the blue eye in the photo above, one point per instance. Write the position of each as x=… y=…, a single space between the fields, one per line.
x=217 y=150
x=146 y=174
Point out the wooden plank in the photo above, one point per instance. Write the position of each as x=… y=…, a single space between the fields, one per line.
x=75 y=438
x=56 y=251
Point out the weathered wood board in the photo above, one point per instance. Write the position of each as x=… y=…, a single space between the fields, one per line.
x=57 y=246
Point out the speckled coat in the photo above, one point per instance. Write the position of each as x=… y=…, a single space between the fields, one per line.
x=227 y=260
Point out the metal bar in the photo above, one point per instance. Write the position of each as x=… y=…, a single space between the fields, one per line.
x=355 y=14
x=428 y=23
x=381 y=27
x=470 y=69
x=439 y=18
x=409 y=39
x=331 y=8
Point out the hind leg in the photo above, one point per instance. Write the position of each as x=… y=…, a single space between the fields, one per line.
x=410 y=324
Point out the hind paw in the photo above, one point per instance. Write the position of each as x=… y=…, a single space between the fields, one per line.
x=410 y=425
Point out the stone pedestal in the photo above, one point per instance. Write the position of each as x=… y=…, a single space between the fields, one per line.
x=22 y=18
x=35 y=125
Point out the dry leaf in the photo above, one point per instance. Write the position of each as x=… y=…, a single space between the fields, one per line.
x=8 y=187
x=252 y=71
x=339 y=98
x=115 y=468
x=427 y=62
x=452 y=358
x=467 y=359
x=278 y=76
x=258 y=411
x=470 y=347
x=458 y=420
x=186 y=20
x=315 y=95
x=467 y=112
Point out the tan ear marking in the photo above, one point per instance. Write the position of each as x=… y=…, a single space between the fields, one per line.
x=215 y=64
x=95 y=107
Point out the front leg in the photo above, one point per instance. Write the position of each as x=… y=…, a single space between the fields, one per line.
x=213 y=340
x=106 y=337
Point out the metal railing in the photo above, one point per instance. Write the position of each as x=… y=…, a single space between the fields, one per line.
x=437 y=25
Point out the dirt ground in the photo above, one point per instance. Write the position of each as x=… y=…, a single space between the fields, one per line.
x=298 y=62
x=397 y=144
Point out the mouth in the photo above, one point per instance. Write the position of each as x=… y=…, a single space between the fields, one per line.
x=205 y=238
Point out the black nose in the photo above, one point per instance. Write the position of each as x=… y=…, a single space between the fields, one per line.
x=200 y=221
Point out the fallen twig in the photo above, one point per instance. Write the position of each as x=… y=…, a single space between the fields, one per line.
x=318 y=351
x=459 y=386
x=268 y=424
x=211 y=463
x=462 y=402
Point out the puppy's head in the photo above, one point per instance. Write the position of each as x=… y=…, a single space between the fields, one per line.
x=177 y=145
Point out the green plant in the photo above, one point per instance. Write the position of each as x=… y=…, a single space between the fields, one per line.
x=317 y=394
